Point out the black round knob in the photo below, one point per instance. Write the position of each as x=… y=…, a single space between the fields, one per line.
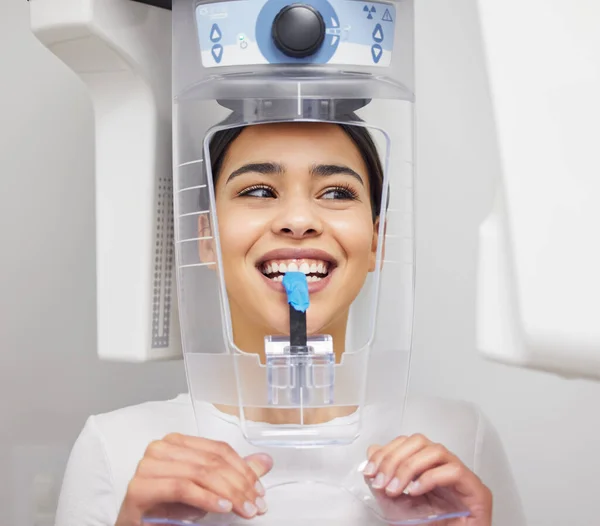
x=298 y=30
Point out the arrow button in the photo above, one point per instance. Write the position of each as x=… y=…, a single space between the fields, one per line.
x=376 y=51
x=378 y=34
x=215 y=33
x=217 y=52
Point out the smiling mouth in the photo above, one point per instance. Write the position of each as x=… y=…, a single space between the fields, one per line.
x=314 y=269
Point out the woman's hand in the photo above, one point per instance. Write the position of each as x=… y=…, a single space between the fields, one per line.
x=415 y=466
x=190 y=474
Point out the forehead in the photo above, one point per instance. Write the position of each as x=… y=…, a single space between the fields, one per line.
x=299 y=144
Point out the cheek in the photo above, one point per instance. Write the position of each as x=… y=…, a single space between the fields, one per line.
x=238 y=231
x=355 y=236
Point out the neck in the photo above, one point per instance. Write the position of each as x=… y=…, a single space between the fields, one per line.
x=268 y=415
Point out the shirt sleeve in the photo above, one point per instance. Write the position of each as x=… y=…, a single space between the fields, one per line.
x=87 y=496
x=493 y=468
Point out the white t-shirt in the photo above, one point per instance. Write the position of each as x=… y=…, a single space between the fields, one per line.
x=105 y=456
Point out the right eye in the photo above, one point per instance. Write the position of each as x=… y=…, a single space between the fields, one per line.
x=260 y=191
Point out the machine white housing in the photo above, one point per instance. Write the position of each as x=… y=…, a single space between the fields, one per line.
x=539 y=262
x=122 y=52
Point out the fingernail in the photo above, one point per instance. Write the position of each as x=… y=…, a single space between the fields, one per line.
x=259 y=488
x=379 y=480
x=261 y=505
x=225 y=505
x=393 y=486
x=250 y=509
x=413 y=486
x=369 y=469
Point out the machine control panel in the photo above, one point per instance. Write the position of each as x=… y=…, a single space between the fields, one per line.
x=252 y=32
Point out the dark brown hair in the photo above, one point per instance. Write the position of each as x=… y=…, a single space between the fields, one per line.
x=360 y=136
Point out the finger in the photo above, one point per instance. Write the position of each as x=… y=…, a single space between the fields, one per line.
x=220 y=478
x=372 y=450
x=454 y=475
x=376 y=454
x=260 y=463
x=405 y=470
x=393 y=455
x=221 y=449
x=216 y=482
x=164 y=450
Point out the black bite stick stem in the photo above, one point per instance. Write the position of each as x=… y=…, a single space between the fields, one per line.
x=299 y=347
x=298 y=338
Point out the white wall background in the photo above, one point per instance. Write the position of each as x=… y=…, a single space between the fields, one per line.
x=50 y=379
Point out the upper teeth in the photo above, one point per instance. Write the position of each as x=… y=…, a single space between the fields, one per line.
x=304 y=266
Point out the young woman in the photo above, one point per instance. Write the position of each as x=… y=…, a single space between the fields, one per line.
x=302 y=193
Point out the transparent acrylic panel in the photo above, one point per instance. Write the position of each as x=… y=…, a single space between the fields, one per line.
x=316 y=412
x=201 y=278
x=328 y=505
x=356 y=397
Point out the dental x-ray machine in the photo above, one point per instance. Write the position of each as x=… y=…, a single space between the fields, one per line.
x=539 y=258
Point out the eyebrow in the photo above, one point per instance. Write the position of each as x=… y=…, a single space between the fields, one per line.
x=261 y=168
x=325 y=170
x=317 y=170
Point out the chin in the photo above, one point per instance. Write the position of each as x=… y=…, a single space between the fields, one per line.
x=281 y=326
x=320 y=326
x=277 y=327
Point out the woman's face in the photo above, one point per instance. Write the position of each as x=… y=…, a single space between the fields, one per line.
x=294 y=197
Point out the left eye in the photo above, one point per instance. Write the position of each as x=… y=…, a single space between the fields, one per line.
x=258 y=191
x=339 y=193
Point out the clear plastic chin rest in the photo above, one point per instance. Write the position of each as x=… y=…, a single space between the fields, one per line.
x=300 y=376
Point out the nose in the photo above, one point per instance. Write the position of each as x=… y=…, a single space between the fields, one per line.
x=297 y=219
